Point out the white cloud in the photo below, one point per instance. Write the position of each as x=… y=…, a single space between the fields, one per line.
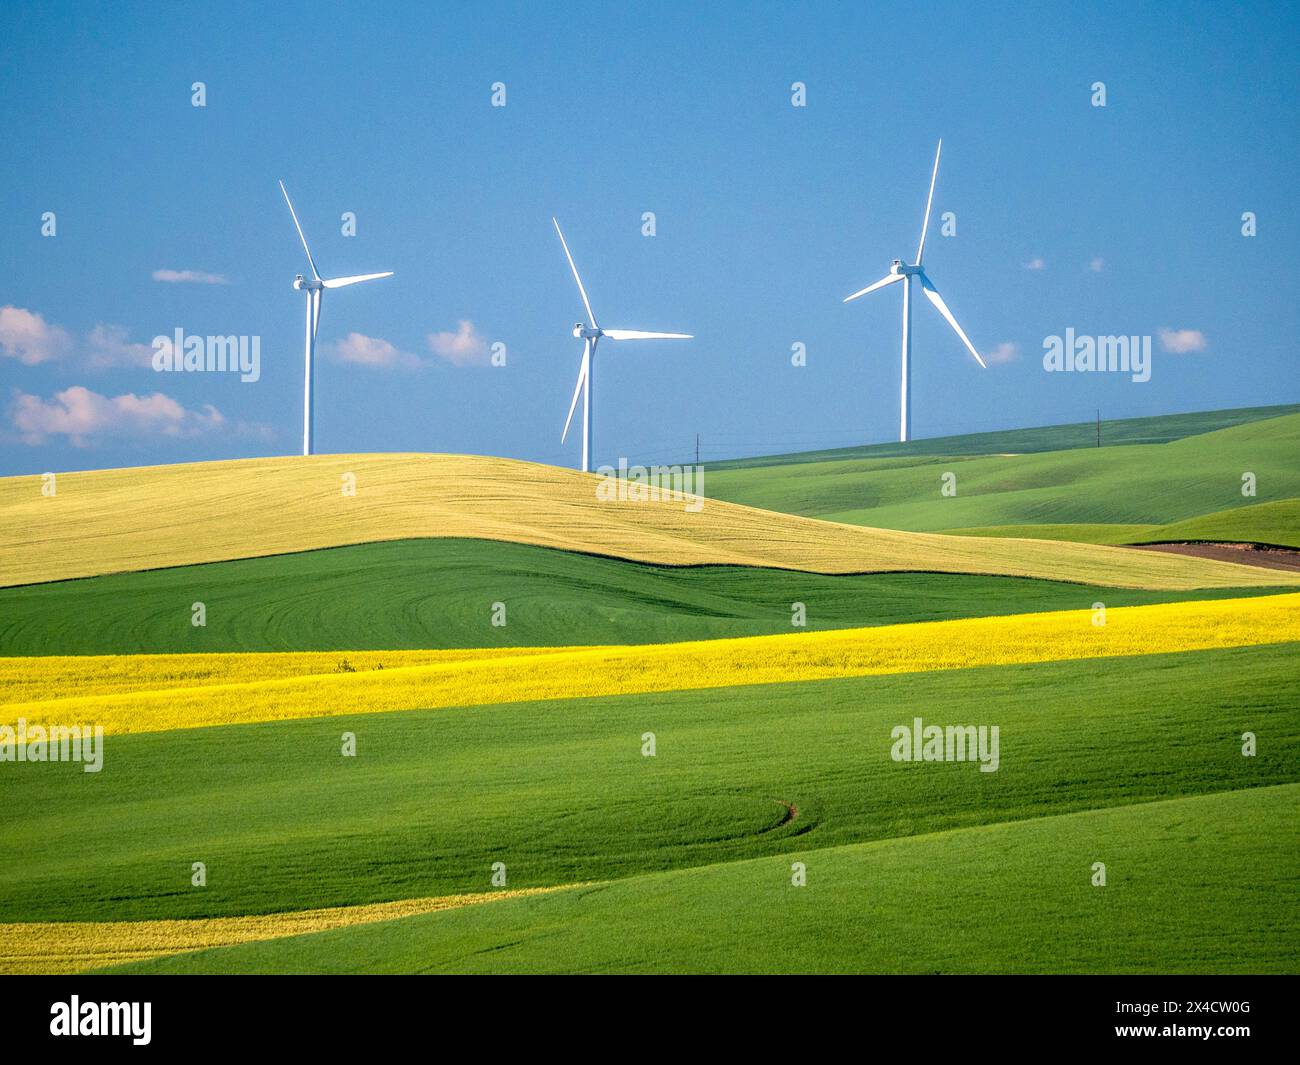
x=1004 y=352
x=29 y=338
x=107 y=345
x=194 y=277
x=372 y=351
x=1035 y=264
x=1181 y=341
x=82 y=415
x=465 y=347
x=1097 y=265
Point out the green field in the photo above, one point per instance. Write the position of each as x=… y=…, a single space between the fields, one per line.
x=1192 y=886
x=1079 y=532
x=1187 y=488
x=1276 y=523
x=561 y=792
x=1157 y=429
x=421 y=594
x=680 y=862
x=1263 y=523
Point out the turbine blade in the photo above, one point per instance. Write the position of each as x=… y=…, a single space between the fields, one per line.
x=888 y=279
x=640 y=334
x=932 y=293
x=315 y=314
x=343 y=282
x=577 y=389
x=298 y=226
x=591 y=316
x=920 y=251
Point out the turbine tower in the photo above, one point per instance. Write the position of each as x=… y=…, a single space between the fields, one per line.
x=901 y=271
x=590 y=335
x=313 y=289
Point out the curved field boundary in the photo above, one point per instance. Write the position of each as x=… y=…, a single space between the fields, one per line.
x=111 y=521
x=1155 y=484
x=437 y=593
x=68 y=676
x=568 y=673
x=1199 y=884
x=1271 y=524
x=50 y=947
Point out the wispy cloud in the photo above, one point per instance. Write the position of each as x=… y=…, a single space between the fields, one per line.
x=26 y=336
x=82 y=416
x=465 y=347
x=1097 y=265
x=1035 y=264
x=29 y=338
x=190 y=277
x=1004 y=352
x=107 y=346
x=373 y=351
x=1182 y=341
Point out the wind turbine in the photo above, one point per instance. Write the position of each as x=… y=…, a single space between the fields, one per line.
x=900 y=271
x=590 y=334
x=313 y=289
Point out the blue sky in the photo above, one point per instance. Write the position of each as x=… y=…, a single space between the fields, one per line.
x=1117 y=220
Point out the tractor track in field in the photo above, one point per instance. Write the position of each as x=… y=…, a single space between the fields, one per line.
x=791 y=815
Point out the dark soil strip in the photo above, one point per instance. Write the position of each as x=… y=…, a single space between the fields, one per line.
x=1286 y=558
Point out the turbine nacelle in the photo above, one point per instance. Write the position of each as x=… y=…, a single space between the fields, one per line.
x=904 y=272
x=590 y=335
x=314 y=289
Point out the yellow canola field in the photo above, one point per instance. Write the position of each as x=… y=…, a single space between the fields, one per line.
x=492 y=677
x=111 y=521
x=49 y=947
x=58 y=676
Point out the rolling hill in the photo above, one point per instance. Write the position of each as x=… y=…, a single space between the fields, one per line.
x=1156 y=429
x=88 y=688
x=1263 y=523
x=561 y=790
x=353 y=749
x=439 y=593
x=1269 y=524
x=1136 y=493
x=980 y=900
x=152 y=517
x=562 y=793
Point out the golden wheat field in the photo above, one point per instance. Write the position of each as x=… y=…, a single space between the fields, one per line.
x=51 y=947
x=490 y=677
x=109 y=521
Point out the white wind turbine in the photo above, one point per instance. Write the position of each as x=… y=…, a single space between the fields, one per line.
x=590 y=334
x=314 y=288
x=902 y=272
